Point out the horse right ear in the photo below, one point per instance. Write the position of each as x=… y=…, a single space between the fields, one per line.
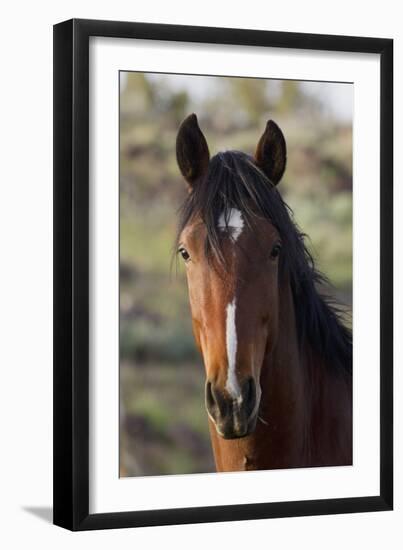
x=192 y=153
x=271 y=152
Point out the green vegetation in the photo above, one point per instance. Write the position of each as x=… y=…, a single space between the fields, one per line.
x=163 y=424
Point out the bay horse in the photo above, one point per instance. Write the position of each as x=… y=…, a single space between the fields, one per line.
x=277 y=355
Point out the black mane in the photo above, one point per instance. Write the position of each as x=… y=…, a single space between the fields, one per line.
x=234 y=181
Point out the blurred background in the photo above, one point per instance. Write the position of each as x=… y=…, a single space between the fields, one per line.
x=164 y=427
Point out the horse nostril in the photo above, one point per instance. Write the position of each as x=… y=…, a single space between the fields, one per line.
x=215 y=401
x=249 y=395
x=210 y=401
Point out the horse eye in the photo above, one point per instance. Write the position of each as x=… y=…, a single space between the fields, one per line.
x=184 y=253
x=275 y=251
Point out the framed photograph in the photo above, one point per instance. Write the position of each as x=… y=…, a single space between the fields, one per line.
x=223 y=319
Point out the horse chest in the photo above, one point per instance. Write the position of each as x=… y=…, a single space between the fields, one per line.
x=232 y=456
x=249 y=463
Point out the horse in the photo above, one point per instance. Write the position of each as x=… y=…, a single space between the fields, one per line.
x=277 y=355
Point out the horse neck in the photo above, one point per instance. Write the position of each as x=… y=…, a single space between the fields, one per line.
x=283 y=404
x=306 y=404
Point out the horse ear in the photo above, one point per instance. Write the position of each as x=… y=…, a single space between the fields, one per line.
x=271 y=152
x=192 y=152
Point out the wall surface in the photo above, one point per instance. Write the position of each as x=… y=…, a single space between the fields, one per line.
x=26 y=280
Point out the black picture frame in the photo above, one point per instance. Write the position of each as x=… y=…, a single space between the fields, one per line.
x=71 y=274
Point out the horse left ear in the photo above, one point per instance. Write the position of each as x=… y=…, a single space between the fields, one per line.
x=192 y=153
x=271 y=152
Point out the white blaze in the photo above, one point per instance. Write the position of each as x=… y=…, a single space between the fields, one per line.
x=232 y=385
x=235 y=223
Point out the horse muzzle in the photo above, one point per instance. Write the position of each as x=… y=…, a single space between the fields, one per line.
x=233 y=417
